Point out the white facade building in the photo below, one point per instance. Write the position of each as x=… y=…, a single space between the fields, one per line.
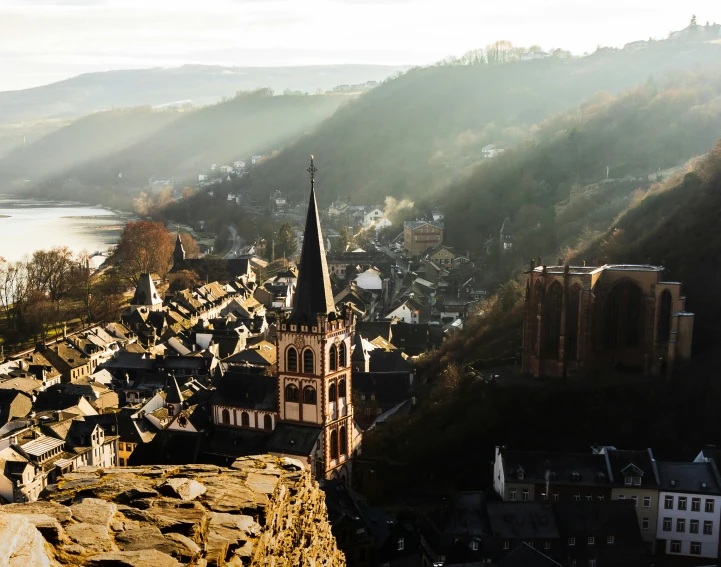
x=689 y=509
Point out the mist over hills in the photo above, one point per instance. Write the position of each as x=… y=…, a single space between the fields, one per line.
x=415 y=135
x=202 y=84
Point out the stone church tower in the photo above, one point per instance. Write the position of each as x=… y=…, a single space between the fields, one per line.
x=314 y=348
x=179 y=252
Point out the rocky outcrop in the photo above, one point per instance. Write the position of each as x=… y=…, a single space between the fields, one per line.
x=261 y=511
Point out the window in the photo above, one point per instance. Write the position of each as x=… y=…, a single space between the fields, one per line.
x=122 y=462
x=556 y=496
x=334 y=445
x=341 y=389
x=695 y=504
x=610 y=539
x=267 y=422
x=668 y=503
x=667 y=524
x=520 y=475
x=646 y=501
x=225 y=417
x=621 y=496
x=529 y=543
x=401 y=544
x=635 y=500
x=333 y=358
x=693 y=526
x=600 y=497
x=332 y=393
x=637 y=481
x=680 y=525
x=709 y=505
x=291 y=393
x=591 y=540
x=577 y=497
x=308 y=366
x=645 y=524
x=675 y=546
x=589 y=497
x=309 y=395
x=506 y=544
x=341 y=356
x=627 y=480
x=343 y=441
x=512 y=493
x=524 y=494
x=707 y=527
x=292 y=360
x=474 y=545
x=591 y=563
x=245 y=419
x=682 y=501
x=695 y=548
x=546 y=545
x=571 y=541
x=121 y=446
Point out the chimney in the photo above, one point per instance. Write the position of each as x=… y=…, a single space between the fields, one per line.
x=539 y=262
x=65 y=331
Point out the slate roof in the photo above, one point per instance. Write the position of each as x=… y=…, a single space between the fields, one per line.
x=388 y=361
x=526 y=556
x=643 y=460
x=522 y=520
x=145 y=292
x=375 y=329
x=293 y=439
x=313 y=293
x=173 y=394
x=689 y=477
x=389 y=388
x=591 y=468
x=247 y=391
x=413 y=225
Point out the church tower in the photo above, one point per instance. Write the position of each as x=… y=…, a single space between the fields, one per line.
x=179 y=252
x=314 y=345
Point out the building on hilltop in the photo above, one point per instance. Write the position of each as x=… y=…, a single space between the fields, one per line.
x=625 y=317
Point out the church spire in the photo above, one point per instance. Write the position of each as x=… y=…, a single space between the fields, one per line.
x=179 y=252
x=313 y=294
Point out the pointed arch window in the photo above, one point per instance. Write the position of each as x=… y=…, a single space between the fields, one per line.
x=309 y=395
x=333 y=358
x=341 y=389
x=292 y=360
x=291 y=393
x=308 y=361
x=343 y=441
x=342 y=361
x=664 y=322
x=225 y=417
x=267 y=422
x=334 y=445
x=332 y=393
x=245 y=419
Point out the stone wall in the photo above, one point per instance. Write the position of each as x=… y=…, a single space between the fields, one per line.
x=261 y=511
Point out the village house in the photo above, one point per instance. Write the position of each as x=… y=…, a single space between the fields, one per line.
x=419 y=235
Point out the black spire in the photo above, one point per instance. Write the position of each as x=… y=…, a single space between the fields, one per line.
x=179 y=252
x=313 y=294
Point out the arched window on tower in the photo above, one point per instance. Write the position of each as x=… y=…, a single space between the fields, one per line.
x=552 y=309
x=308 y=366
x=341 y=389
x=332 y=393
x=664 y=316
x=291 y=393
x=292 y=360
x=267 y=422
x=225 y=417
x=245 y=419
x=343 y=441
x=333 y=358
x=309 y=396
x=333 y=444
x=342 y=362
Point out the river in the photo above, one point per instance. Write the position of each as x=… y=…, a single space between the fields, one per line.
x=27 y=225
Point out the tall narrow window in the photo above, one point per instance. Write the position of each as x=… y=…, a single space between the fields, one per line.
x=341 y=356
x=341 y=389
x=225 y=417
x=343 y=441
x=309 y=395
x=664 y=316
x=292 y=364
x=333 y=358
x=332 y=393
x=308 y=361
x=552 y=309
x=291 y=393
x=572 y=315
x=245 y=419
x=267 y=422
x=334 y=445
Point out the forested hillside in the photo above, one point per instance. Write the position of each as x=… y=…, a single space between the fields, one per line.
x=414 y=135
x=141 y=143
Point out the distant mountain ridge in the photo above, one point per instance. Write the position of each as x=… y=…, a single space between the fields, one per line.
x=203 y=84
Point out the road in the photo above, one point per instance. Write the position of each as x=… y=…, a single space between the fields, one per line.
x=236 y=242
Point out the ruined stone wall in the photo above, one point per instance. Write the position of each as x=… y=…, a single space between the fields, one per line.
x=261 y=511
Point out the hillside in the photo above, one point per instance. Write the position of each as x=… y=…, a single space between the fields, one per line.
x=415 y=135
x=200 y=84
x=141 y=143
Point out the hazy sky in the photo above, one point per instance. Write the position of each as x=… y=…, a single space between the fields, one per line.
x=42 y=41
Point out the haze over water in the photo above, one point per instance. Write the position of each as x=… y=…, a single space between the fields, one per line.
x=27 y=225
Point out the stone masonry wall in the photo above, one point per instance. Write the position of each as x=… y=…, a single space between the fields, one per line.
x=262 y=511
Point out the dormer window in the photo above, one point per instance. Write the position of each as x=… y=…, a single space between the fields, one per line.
x=520 y=475
x=575 y=477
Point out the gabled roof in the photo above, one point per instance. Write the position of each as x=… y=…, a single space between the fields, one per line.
x=589 y=469
x=293 y=439
x=145 y=292
x=700 y=478
x=174 y=395
x=522 y=520
x=526 y=556
x=247 y=391
x=313 y=294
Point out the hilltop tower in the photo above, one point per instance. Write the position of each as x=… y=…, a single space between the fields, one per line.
x=314 y=346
